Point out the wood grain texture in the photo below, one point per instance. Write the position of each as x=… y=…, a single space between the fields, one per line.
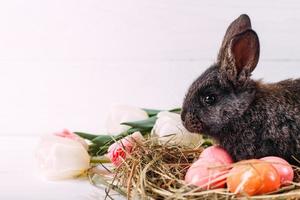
x=63 y=63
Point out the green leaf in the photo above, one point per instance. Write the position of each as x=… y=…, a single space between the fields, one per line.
x=207 y=143
x=144 y=131
x=151 y=112
x=144 y=124
x=101 y=140
x=94 y=150
x=154 y=112
x=99 y=150
x=132 y=130
x=87 y=136
x=175 y=110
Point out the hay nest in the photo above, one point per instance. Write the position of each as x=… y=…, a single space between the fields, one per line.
x=154 y=171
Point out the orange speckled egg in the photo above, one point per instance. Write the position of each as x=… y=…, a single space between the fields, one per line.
x=252 y=177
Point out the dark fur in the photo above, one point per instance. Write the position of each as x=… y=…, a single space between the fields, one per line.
x=249 y=119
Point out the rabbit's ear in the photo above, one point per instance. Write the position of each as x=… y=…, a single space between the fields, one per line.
x=239 y=25
x=241 y=55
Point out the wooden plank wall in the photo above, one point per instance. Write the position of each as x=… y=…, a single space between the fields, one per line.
x=63 y=63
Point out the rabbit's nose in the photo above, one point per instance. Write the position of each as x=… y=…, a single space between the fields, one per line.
x=192 y=123
x=187 y=113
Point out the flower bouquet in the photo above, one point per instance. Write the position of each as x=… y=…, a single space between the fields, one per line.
x=148 y=154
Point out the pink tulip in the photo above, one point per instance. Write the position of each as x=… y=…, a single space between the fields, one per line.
x=118 y=151
x=68 y=134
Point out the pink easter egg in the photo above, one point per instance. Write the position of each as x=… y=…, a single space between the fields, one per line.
x=283 y=168
x=207 y=174
x=217 y=153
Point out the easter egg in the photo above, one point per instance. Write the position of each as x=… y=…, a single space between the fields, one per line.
x=217 y=153
x=283 y=168
x=253 y=177
x=207 y=174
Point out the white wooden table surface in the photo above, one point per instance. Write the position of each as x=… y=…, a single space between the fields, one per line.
x=63 y=63
x=20 y=180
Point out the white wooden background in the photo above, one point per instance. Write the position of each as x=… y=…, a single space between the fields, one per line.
x=64 y=63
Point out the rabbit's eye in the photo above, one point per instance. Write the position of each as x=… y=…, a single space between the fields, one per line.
x=210 y=99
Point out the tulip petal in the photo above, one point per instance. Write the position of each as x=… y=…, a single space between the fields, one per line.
x=60 y=158
x=169 y=128
x=120 y=114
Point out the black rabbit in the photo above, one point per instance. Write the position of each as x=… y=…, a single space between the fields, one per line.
x=248 y=118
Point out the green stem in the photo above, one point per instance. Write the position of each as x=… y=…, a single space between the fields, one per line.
x=96 y=160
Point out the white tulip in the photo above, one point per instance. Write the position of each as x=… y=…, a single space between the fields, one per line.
x=169 y=129
x=61 y=158
x=70 y=135
x=122 y=113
